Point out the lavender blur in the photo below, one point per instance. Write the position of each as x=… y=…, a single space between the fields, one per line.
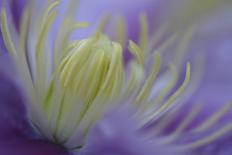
x=86 y=78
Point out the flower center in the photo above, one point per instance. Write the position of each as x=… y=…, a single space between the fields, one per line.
x=93 y=66
x=71 y=85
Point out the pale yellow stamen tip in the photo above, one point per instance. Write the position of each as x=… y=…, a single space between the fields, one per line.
x=89 y=67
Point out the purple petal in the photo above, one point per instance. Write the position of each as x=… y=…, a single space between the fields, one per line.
x=17 y=10
x=217 y=78
x=2 y=45
x=16 y=135
x=214 y=40
x=118 y=134
x=29 y=147
x=13 y=120
x=220 y=146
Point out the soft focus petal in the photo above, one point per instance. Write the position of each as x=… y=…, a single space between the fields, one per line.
x=130 y=10
x=17 y=10
x=2 y=45
x=16 y=134
x=30 y=147
x=220 y=146
x=214 y=42
x=118 y=133
x=13 y=118
x=184 y=13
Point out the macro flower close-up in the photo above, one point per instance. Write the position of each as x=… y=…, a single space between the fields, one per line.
x=135 y=77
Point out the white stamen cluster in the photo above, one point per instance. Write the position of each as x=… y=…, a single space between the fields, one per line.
x=71 y=86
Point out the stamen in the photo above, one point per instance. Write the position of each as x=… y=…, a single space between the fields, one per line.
x=115 y=65
x=79 y=25
x=93 y=71
x=165 y=45
x=146 y=89
x=198 y=69
x=88 y=76
x=48 y=11
x=156 y=37
x=172 y=98
x=204 y=141
x=66 y=42
x=121 y=31
x=169 y=86
x=64 y=32
x=73 y=61
x=105 y=20
x=165 y=120
x=214 y=119
x=136 y=76
x=143 y=39
x=6 y=34
x=182 y=47
x=21 y=58
x=136 y=52
x=42 y=35
x=41 y=64
x=156 y=99
x=181 y=89
x=189 y=118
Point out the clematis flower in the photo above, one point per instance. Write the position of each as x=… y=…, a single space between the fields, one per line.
x=79 y=94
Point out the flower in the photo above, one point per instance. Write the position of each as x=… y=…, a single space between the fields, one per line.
x=84 y=76
x=72 y=85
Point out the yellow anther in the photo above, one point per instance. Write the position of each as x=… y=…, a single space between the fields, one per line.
x=121 y=31
x=143 y=42
x=49 y=10
x=91 y=67
x=136 y=51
